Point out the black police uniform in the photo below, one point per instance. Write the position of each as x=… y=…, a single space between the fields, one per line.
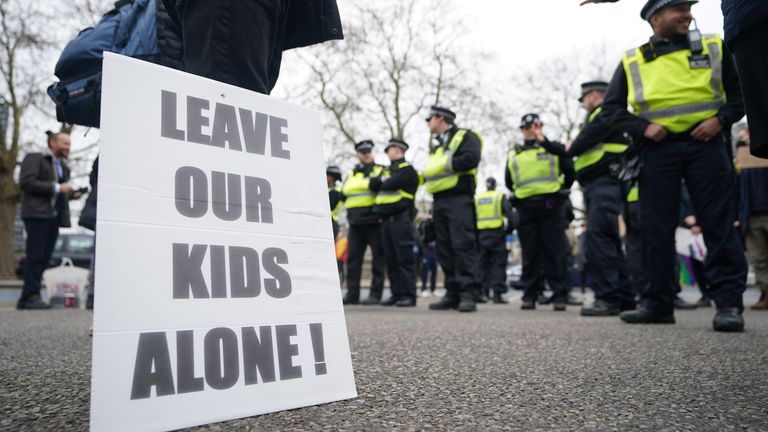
x=492 y=257
x=604 y=197
x=453 y=214
x=397 y=232
x=708 y=173
x=541 y=231
x=364 y=231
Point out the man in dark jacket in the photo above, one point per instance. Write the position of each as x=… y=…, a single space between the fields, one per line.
x=44 y=208
x=241 y=42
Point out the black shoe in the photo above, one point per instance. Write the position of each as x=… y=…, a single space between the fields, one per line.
x=406 y=302
x=467 y=304
x=498 y=299
x=704 y=302
x=388 y=302
x=646 y=316
x=371 y=300
x=600 y=308
x=681 y=304
x=350 y=299
x=558 y=304
x=445 y=303
x=728 y=320
x=544 y=299
x=573 y=300
x=481 y=298
x=528 y=304
x=35 y=303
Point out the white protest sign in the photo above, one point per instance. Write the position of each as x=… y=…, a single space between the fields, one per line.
x=218 y=295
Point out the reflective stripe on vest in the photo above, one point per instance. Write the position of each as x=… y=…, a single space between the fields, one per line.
x=534 y=172
x=488 y=209
x=439 y=175
x=336 y=211
x=669 y=92
x=356 y=191
x=391 y=197
x=596 y=153
x=634 y=194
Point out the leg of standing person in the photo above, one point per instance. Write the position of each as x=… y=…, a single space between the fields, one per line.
x=357 y=244
x=378 y=265
x=41 y=240
x=751 y=53
x=389 y=248
x=445 y=252
x=554 y=255
x=432 y=271
x=757 y=251
x=530 y=243
x=402 y=232
x=634 y=247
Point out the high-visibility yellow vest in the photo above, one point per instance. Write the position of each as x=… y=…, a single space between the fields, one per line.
x=356 y=191
x=391 y=197
x=534 y=172
x=634 y=193
x=439 y=175
x=488 y=206
x=669 y=92
x=336 y=211
x=596 y=153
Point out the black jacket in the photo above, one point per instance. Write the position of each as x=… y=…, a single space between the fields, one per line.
x=39 y=199
x=596 y=132
x=309 y=21
x=467 y=157
x=405 y=178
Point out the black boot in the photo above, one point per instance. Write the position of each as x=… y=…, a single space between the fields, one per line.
x=728 y=320
x=372 y=300
x=445 y=303
x=600 y=308
x=646 y=316
x=498 y=299
x=351 y=299
x=390 y=301
x=528 y=304
x=558 y=304
x=406 y=302
x=467 y=303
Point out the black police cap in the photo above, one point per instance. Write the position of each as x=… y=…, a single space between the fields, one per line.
x=397 y=143
x=591 y=86
x=653 y=6
x=440 y=111
x=333 y=171
x=365 y=145
x=529 y=119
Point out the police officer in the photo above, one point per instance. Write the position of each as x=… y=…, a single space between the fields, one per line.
x=364 y=225
x=493 y=208
x=541 y=180
x=332 y=177
x=394 y=202
x=450 y=178
x=598 y=149
x=680 y=122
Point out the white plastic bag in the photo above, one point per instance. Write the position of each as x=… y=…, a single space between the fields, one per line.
x=66 y=281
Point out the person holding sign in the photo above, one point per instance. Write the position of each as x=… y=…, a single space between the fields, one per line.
x=394 y=202
x=450 y=178
x=364 y=225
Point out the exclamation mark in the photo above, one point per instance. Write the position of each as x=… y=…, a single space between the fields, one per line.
x=316 y=330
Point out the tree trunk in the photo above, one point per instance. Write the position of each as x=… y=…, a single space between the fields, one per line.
x=7 y=218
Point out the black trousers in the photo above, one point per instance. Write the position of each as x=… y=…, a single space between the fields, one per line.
x=239 y=42
x=610 y=278
x=454 y=221
x=492 y=260
x=634 y=246
x=709 y=177
x=41 y=240
x=542 y=238
x=751 y=53
x=398 y=241
x=360 y=237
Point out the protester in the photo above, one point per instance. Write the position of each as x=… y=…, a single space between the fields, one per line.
x=242 y=42
x=44 y=208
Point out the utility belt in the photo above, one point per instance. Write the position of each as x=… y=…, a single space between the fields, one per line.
x=403 y=215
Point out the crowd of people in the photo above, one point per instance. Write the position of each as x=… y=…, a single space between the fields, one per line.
x=665 y=162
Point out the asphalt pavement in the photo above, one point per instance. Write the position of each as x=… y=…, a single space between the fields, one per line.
x=498 y=369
